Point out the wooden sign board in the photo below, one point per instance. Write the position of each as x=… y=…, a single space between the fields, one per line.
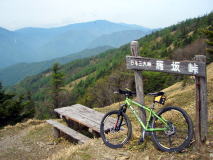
x=178 y=67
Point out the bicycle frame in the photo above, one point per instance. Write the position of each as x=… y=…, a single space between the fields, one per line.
x=146 y=127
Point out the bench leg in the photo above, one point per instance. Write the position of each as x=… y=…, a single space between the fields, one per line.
x=56 y=132
x=94 y=133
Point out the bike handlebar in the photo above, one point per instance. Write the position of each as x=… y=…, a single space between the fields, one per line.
x=125 y=92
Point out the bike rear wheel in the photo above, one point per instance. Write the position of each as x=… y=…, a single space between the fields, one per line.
x=115 y=129
x=179 y=134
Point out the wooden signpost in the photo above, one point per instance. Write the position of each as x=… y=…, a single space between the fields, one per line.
x=195 y=68
x=138 y=82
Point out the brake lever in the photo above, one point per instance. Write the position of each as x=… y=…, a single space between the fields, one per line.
x=116 y=92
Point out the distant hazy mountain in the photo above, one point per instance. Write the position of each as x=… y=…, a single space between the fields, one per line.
x=15 y=73
x=116 y=39
x=12 y=48
x=38 y=44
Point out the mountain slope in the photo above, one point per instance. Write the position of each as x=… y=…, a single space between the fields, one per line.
x=39 y=44
x=68 y=42
x=35 y=135
x=107 y=72
x=177 y=95
x=12 y=49
x=15 y=73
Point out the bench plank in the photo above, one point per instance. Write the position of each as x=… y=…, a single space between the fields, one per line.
x=72 y=133
x=83 y=115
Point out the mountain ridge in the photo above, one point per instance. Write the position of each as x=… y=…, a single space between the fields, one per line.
x=113 y=39
x=33 y=44
x=107 y=71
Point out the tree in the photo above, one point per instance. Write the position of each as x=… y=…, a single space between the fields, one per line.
x=29 y=110
x=57 y=84
x=209 y=34
x=13 y=108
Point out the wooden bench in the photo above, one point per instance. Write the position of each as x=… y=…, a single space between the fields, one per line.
x=81 y=117
x=74 y=135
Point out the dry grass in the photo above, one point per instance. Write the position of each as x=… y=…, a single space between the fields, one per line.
x=37 y=135
x=190 y=33
x=172 y=33
x=158 y=39
x=11 y=130
x=96 y=150
x=177 y=95
x=171 y=47
x=71 y=85
x=29 y=140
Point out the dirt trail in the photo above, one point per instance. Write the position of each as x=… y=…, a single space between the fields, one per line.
x=29 y=141
x=10 y=141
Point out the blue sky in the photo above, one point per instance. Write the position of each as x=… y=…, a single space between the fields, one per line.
x=16 y=14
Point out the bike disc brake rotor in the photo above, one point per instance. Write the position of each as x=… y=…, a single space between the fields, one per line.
x=172 y=129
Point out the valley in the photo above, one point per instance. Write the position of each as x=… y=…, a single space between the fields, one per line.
x=85 y=63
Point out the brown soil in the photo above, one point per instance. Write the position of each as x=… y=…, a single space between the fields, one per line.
x=30 y=140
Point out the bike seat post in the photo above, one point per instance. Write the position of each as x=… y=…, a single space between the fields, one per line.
x=153 y=105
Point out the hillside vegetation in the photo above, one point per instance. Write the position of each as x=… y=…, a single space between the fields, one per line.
x=107 y=72
x=15 y=73
x=33 y=140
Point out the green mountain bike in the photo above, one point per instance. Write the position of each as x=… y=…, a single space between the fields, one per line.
x=171 y=128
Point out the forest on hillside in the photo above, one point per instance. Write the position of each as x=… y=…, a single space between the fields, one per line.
x=91 y=81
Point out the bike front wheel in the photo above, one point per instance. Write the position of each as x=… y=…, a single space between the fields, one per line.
x=179 y=131
x=115 y=129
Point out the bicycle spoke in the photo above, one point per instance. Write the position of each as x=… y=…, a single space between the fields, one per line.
x=179 y=133
x=162 y=137
x=181 y=136
x=170 y=140
x=182 y=131
x=117 y=133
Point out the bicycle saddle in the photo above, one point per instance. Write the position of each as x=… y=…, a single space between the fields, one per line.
x=156 y=94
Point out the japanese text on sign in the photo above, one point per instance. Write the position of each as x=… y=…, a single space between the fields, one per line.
x=179 y=67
